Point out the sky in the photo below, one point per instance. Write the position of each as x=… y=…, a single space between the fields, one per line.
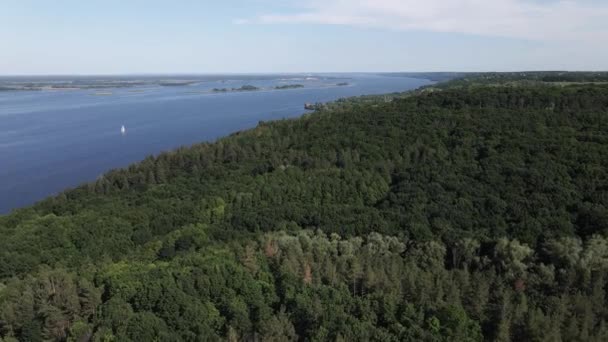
x=278 y=36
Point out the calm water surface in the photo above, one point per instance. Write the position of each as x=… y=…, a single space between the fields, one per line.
x=53 y=140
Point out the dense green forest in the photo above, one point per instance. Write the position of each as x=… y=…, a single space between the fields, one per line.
x=457 y=214
x=528 y=78
x=457 y=78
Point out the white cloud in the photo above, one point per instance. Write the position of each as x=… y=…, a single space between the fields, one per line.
x=523 y=19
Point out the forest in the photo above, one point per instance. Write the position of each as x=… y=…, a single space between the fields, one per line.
x=457 y=78
x=452 y=213
x=525 y=78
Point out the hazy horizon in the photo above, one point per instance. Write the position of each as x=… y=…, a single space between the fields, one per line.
x=168 y=74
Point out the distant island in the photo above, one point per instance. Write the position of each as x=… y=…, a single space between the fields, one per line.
x=44 y=83
x=83 y=84
x=289 y=86
x=246 y=87
x=32 y=83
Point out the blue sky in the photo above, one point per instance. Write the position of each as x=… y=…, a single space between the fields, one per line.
x=257 y=36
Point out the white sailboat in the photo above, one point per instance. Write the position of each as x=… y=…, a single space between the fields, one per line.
x=123 y=130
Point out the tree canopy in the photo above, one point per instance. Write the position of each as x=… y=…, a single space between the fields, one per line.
x=448 y=214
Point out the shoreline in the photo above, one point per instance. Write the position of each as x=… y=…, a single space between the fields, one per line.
x=266 y=113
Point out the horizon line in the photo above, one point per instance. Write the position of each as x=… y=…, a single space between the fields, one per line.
x=291 y=73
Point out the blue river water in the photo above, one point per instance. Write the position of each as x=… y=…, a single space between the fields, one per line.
x=53 y=140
